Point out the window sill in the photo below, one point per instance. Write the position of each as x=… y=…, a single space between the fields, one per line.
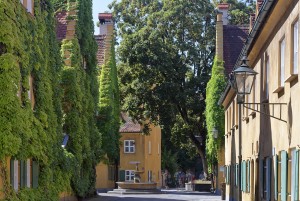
x=279 y=89
x=245 y=119
x=291 y=78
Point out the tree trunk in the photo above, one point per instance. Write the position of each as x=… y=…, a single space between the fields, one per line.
x=200 y=151
x=204 y=161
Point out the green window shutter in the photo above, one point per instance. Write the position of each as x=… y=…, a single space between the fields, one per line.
x=244 y=176
x=296 y=189
x=261 y=177
x=35 y=174
x=284 y=160
x=275 y=177
x=236 y=174
x=12 y=173
x=226 y=172
x=22 y=174
x=268 y=179
x=122 y=175
x=229 y=174
x=248 y=177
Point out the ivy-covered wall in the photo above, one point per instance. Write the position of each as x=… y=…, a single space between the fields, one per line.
x=214 y=113
x=28 y=47
x=109 y=108
x=80 y=98
x=66 y=99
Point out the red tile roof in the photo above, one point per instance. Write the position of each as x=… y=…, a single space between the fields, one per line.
x=61 y=25
x=234 y=38
x=105 y=16
x=129 y=126
x=100 y=39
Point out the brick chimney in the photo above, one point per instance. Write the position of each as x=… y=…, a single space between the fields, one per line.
x=219 y=36
x=105 y=37
x=222 y=19
x=252 y=21
x=259 y=4
x=223 y=8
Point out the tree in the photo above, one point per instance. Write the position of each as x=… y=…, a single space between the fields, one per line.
x=166 y=53
x=214 y=113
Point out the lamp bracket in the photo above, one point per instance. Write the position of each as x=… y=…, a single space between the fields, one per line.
x=267 y=109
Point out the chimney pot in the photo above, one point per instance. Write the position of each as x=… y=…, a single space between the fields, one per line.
x=223 y=8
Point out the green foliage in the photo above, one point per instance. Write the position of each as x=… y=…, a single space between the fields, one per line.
x=28 y=47
x=214 y=113
x=80 y=99
x=169 y=161
x=109 y=107
x=166 y=53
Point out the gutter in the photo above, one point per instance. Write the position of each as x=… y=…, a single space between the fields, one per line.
x=261 y=18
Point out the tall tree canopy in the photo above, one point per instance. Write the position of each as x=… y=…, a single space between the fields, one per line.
x=166 y=53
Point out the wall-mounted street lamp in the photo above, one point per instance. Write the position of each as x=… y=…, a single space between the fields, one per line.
x=242 y=82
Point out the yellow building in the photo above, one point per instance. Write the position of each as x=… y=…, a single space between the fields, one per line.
x=136 y=150
x=140 y=150
x=262 y=140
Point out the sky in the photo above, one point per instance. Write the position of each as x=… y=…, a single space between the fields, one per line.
x=99 y=6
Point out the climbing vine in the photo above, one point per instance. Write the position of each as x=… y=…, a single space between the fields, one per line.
x=213 y=112
x=109 y=108
x=65 y=100
x=80 y=98
x=28 y=48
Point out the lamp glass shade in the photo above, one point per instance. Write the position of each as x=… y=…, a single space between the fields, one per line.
x=244 y=79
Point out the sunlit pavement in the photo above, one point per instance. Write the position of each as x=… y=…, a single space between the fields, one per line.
x=167 y=195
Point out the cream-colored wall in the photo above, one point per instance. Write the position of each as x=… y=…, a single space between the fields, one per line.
x=262 y=135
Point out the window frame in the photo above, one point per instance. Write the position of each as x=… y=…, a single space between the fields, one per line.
x=130 y=175
x=281 y=67
x=295 y=68
x=129 y=146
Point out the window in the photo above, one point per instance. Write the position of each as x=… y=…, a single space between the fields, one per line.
x=266 y=174
x=129 y=146
x=149 y=147
x=149 y=176
x=295 y=45
x=129 y=175
x=14 y=174
x=267 y=70
x=282 y=62
x=28 y=171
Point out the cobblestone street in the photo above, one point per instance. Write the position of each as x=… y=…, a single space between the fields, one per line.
x=171 y=195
